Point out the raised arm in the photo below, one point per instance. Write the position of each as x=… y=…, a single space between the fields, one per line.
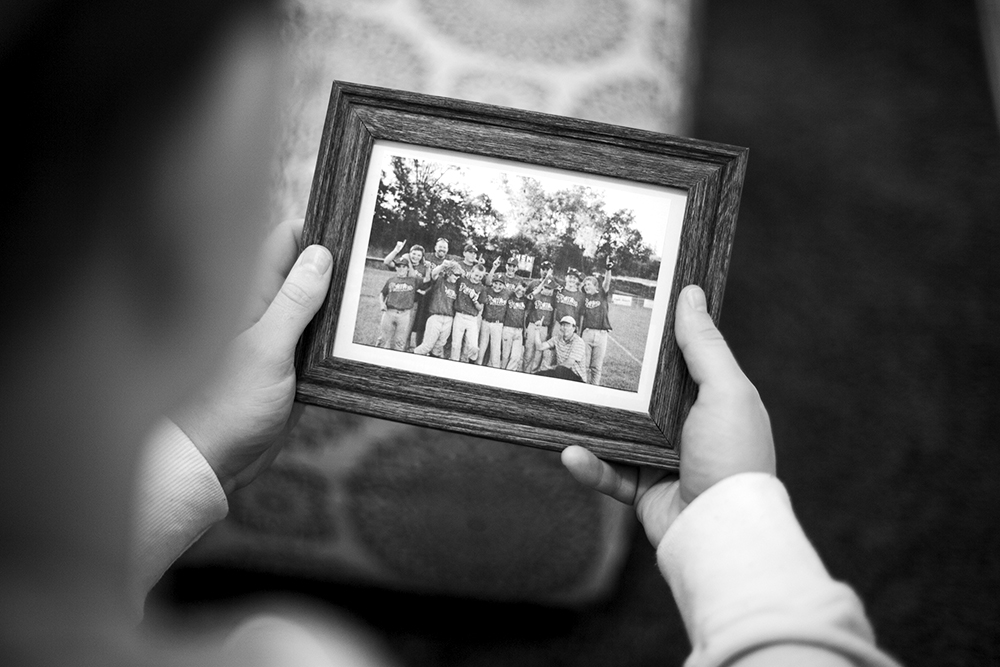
x=437 y=270
x=488 y=279
x=390 y=258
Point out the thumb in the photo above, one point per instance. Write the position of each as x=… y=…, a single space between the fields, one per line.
x=298 y=300
x=705 y=350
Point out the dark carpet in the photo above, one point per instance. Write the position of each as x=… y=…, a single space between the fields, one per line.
x=862 y=301
x=862 y=297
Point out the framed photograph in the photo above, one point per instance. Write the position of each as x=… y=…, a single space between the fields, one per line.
x=512 y=275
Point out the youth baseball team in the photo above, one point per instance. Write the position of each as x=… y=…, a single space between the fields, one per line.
x=454 y=309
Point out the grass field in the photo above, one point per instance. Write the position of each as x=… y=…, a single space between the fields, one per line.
x=626 y=344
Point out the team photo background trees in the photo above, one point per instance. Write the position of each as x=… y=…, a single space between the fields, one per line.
x=421 y=200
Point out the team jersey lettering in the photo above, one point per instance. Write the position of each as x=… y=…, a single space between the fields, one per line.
x=566 y=300
x=543 y=305
x=496 y=300
x=592 y=304
x=401 y=287
x=517 y=305
x=450 y=292
x=470 y=290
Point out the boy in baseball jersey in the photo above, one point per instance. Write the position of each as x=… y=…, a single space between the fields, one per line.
x=595 y=324
x=541 y=293
x=568 y=300
x=440 y=309
x=470 y=259
x=514 y=319
x=468 y=308
x=397 y=297
x=491 y=329
x=418 y=267
x=509 y=277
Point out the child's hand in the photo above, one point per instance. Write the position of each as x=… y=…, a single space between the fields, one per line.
x=727 y=431
x=237 y=420
x=399 y=246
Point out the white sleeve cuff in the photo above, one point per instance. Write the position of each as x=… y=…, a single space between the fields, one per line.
x=178 y=498
x=745 y=576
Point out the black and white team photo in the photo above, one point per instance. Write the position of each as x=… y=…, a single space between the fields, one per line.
x=509 y=272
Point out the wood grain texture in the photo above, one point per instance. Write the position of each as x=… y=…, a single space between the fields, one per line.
x=711 y=175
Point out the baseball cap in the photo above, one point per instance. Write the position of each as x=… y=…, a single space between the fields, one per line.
x=545 y=265
x=470 y=247
x=568 y=318
x=511 y=261
x=402 y=260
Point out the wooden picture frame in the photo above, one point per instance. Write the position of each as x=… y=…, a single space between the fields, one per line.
x=336 y=371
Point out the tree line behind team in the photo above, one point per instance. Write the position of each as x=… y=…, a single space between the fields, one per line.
x=452 y=308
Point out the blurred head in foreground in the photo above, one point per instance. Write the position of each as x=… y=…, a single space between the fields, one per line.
x=140 y=145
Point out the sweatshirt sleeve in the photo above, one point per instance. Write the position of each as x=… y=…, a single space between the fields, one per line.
x=745 y=576
x=178 y=498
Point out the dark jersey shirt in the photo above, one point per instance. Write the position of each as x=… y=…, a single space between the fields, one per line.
x=595 y=311
x=495 y=304
x=516 y=312
x=399 y=292
x=541 y=302
x=421 y=270
x=469 y=294
x=568 y=303
x=442 y=297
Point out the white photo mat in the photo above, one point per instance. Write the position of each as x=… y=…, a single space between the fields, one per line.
x=659 y=210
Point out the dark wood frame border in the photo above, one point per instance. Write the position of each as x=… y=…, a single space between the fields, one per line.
x=710 y=173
